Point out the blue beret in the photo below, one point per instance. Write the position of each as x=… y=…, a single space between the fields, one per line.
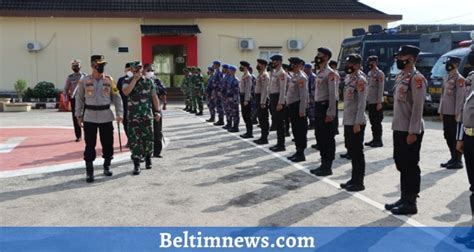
x=232 y=68
x=210 y=68
x=308 y=66
x=216 y=62
x=225 y=66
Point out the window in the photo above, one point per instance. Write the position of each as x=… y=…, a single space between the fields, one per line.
x=267 y=54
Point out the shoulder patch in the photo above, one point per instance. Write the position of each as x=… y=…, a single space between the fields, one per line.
x=332 y=76
x=282 y=76
x=461 y=82
x=419 y=79
x=301 y=83
x=361 y=85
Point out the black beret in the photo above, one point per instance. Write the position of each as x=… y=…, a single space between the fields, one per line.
x=353 y=58
x=127 y=65
x=325 y=51
x=373 y=58
x=408 y=50
x=285 y=66
x=277 y=57
x=262 y=61
x=245 y=64
x=295 y=60
x=332 y=62
x=453 y=60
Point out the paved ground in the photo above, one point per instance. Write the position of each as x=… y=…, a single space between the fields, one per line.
x=209 y=177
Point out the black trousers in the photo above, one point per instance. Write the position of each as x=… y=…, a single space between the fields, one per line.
x=376 y=118
x=325 y=132
x=262 y=114
x=158 y=136
x=355 y=148
x=106 y=131
x=278 y=119
x=247 y=114
x=287 y=119
x=77 y=127
x=125 y=114
x=469 y=159
x=299 y=126
x=450 y=129
x=407 y=158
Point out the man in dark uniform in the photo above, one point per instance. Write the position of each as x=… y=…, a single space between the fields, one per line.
x=450 y=106
x=128 y=74
x=408 y=129
x=70 y=90
x=326 y=111
x=261 y=98
x=245 y=88
x=308 y=69
x=297 y=102
x=218 y=86
x=95 y=93
x=278 y=81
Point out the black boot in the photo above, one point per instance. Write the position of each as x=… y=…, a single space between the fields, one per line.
x=298 y=157
x=89 y=172
x=246 y=135
x=376 y=143
x=136 y=166
x=220 y=122
x=234 y=129
x=199 y=113
x=227 y=126
x=315 y=146
x=397 y=203
x=212 y=119
x=345 y=185
x=186 y=108
x=278 y=148
x=457 y=162
x=408 y=206
x=369 y=143
x=148 y=162
x=261 y=141
x=346 y=156
x=107 y=171
x=324 y=169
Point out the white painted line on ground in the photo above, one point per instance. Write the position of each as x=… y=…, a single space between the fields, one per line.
x=10 y=144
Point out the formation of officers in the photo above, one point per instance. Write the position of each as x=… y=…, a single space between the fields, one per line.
x=304 y=97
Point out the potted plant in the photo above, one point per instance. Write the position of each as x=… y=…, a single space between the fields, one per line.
x=20 y=88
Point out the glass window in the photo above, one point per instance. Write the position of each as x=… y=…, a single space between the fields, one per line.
x=267 y=54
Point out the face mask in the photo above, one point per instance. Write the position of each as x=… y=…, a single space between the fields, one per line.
x=100 y=68
x=129 y=74
x=349 y=69
x=259 y=68
x=150 y=75
x=318 y=60
x=274 y=65
x=370 y=66
x=241 y=69
x=449 y=67
x=75 y=69
x=401 y=64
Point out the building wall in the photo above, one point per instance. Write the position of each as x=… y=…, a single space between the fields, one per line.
x=65 y=39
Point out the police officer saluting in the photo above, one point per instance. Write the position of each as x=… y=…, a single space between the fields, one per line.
x=355 y=97
x=297 y=102
x=408 y=129
x=94 y=95
x=245 y=88
x=374 y=100
x=278 y=81
x=450 y=106
x=261 y=98
x=326 y=111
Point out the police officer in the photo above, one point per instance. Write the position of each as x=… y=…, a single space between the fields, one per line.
x=326 y=111
x=233 y=97
x=95 y=93
x=121 y=80
x=308 y=70
x=355 y=97
x=211 y=95
x=261 y=98
x=245 y=98
x=408 y=128
x=451 y=102
x=141 y=92
x=374 y=100
x=218 y=86
x=253 y=102
x=226 y=78
x=297 y=103
x=70 y=92
x=185 y=89
x=278 y=81
x=465 y=144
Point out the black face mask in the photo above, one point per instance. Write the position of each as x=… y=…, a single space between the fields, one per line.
x=259 y=68
x=100 y=68
x=401 y=64
x=316 y=66
x=318 y=60
x=76 y=70
x=349 y=69
x=241 y=69
x=370 y=66
x=291 y=67
x=274 y=65
x=449 y=67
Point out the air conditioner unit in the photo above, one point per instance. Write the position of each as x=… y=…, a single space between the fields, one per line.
x=295 y=44
x=34 y=46
x=246 y=44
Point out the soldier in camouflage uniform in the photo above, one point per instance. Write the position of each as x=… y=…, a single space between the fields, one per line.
x=233 y=99
x=191 y=90
x=198 y=81
x=94 y=95
x=141 y=92
x=184 y=89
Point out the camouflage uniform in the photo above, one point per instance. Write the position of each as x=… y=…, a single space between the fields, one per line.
x=140 y=118
x=185 y=90
x=233 y=99
x=211 y=99
x=198 y=92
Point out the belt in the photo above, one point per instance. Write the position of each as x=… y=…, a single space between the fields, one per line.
x=96 y=107
x=469 y=131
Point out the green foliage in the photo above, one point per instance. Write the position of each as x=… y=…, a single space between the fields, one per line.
x=45 y=89
x=20 y=87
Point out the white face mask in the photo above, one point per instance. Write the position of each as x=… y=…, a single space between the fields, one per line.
x=129 y=74
x=150 y=75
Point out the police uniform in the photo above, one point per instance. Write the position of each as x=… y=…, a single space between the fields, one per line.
x=355 y=98
x=233 y=98
x=211 y=99
x=218 y=87
x=253 y=102
x=245 y=89
x=451 y=102
x=141 y=138
x=311 y=89
x=278 y=82
x=224 y=89
x=376 y=79
x=70 y=92
x=261 y=98
x=93 y=99
x=326 y=106
x=297 y=103
x=409 y=98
